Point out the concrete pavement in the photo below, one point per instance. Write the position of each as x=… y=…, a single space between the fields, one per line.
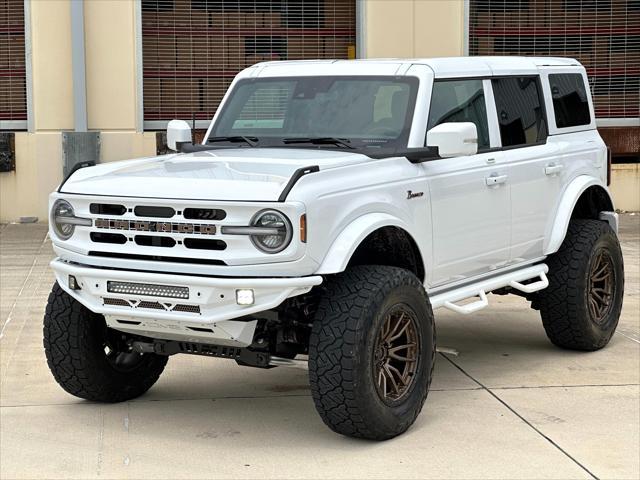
x=509 y=406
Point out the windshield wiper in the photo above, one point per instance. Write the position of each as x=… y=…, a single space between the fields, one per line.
x=251 y=141
x=341 y=142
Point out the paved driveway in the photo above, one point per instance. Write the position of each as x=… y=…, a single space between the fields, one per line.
x=509 y=406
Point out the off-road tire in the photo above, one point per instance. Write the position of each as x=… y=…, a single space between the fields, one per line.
x=341 y=352
x=73 y=344
x=564 y=304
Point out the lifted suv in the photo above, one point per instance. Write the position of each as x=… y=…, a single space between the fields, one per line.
x=330 y=208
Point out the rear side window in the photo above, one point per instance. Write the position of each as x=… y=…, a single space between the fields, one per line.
x=570 y=101
x=520 y=110
x=460 y=101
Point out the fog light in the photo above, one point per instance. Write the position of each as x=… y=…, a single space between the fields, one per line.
x=73 y=283
x=245 y=297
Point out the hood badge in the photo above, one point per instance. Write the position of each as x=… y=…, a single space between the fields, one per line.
x=411 y=194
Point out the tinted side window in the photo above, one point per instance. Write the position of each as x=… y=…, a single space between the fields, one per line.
x=460 y=101
x=570 y=102
x=520 y=110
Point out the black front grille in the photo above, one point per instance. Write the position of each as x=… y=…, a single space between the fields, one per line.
x=155 y=241
x=107 y=209
x=204 y=214
x=101 y=237
x=156 y=258
x=154 y=211
x=204 y=244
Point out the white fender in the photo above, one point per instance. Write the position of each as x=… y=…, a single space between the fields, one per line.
x=345 y=244
x=565 y=209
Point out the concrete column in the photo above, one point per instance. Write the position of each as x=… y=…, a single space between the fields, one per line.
x=413 y=28
x=113 y=103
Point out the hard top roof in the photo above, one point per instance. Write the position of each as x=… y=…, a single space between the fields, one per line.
x=442 y=67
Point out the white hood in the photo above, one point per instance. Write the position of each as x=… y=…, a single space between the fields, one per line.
x=249 y=174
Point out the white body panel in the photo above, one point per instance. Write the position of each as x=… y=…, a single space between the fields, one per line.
x=235 y=174
x=472 y=217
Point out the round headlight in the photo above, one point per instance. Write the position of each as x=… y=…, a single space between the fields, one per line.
x=278 y=231
x=60 y=210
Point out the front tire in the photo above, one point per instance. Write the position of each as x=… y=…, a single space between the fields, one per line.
x=581 y=306
x=88 y=359
x=372 y=352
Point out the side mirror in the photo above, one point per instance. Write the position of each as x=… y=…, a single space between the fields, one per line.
x=178 y=131
x=454 y=139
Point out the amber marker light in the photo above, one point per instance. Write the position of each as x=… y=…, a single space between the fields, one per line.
x=303 y=228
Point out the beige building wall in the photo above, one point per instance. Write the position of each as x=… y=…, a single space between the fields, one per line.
x=112 y=99
x=24 y=192
x=413 y=28
x=110 y=51
x=625 y=186
x=392 y=28
x=112 y=94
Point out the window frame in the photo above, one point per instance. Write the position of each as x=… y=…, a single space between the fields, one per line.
x=28 y=123
x=492 y=113
x=543 y=103
x=489 y=106
x=412 y=107
x=551 y=114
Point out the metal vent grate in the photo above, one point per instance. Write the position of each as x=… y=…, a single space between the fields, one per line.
x=7 y=151
x=118 y=302
x=13 y=90
x=78 y=147
x=192 y=49
x=186 y=308
x=604 y=35
x=152 y=305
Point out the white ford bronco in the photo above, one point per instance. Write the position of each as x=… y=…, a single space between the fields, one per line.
x=330 y=207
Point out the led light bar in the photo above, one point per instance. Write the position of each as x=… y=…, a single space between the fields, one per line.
x=148 y=289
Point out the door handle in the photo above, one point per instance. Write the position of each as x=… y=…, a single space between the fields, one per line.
x=495 y=180
x=553 y=169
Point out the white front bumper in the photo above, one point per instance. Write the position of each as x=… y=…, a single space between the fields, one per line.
x=209 y=315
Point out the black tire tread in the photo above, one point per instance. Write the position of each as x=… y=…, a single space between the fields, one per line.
x=348 y=296
x=561 y=303
x=69 y=341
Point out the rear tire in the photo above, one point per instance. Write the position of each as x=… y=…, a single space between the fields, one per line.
x=369 y=318
x=88 y=359
x=581 y=306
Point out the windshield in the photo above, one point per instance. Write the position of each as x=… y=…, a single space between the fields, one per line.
x=366 y=111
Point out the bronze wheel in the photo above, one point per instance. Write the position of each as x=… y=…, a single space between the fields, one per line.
x=601 y=284
x=372 y=351
x=396 y=354
x=581 y=306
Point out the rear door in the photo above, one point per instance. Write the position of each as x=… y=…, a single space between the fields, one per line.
x=470 y=204
x=535 y=168
x=572 y=128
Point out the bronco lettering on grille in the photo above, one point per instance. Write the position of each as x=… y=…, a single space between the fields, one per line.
x=162 y=227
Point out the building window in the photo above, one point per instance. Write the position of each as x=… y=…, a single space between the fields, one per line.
x=604 y=35
x=13 y=89
x=570 y=102
x=192 y=49
x=460 y=101
x=520 y=111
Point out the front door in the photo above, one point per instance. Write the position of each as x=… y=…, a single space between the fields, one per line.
x=469 y=195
